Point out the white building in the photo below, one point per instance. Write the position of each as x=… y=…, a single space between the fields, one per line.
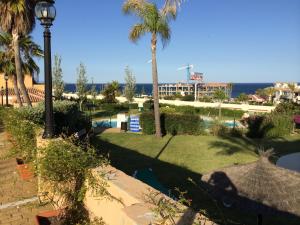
x=287 y=91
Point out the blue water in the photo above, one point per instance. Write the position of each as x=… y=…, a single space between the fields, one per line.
x=238 y=88
x=105 y=124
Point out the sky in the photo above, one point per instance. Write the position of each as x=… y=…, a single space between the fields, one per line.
x=227 y=40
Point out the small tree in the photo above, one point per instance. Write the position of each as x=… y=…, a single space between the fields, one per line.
x=130 y=84
x=220 y=96
x=242 y=97
x=58 y=83
x=81 y=84
x=110 y=92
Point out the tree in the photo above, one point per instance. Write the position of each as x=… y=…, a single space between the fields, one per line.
x=110 y=92
x=81 y=84
x=220 y=96
x=292 y=87
x=17 y=19
x=130 y=84
x=270 y=91
x=28 y=50
x=155 y=22
x=93 y=91
x=242 y=97
x=58 y=83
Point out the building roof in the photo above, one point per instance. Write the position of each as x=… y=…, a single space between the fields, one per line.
x=259 y=186
x=35 y=95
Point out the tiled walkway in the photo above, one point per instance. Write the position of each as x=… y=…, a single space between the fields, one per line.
x=14 y=190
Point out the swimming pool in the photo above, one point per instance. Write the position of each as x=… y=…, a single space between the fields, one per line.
x=105 y=123
x=290 y=161
x=229 y=124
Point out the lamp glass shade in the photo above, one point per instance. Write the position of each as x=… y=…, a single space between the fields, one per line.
x=45 y=12
x=6 y=77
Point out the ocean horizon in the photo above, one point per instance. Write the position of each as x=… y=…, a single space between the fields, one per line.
x=238 y=88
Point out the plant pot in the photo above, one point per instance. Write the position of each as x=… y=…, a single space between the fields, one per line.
x=47 y=217
x=24 y=169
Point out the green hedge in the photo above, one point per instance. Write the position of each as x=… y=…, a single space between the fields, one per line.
x=205 y=111
x=173 y=124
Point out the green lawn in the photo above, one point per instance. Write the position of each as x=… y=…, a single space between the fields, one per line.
x=176 y=159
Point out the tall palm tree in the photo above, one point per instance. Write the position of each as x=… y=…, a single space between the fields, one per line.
x=155 y=22
x=28 y=50
x=17 y=19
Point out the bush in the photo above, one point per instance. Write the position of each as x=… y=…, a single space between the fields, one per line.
x=22 y=132
x=170 y=97
x=269 y=126
x=67 y=117
x=173 y=124
x=218 y=129
x=188 y=98
x=148 y=105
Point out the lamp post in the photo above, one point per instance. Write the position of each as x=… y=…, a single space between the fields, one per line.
x=46 y=12
x=2 y=93
x=6 y=89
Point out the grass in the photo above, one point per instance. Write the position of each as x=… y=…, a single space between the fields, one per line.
x=176 y=159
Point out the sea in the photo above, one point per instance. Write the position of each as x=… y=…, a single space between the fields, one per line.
x=237 y=89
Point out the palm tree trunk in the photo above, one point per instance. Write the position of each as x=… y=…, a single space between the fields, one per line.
x=155 y=87
x=16 y=89
x=16 y=47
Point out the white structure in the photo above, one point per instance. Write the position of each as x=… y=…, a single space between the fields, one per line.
x=287 y=91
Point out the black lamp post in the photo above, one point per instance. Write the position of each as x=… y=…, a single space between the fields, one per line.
x=45 y=12
x=6 y=89
x=2 y=93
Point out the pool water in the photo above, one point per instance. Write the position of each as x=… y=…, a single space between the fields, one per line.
x=229 y=124
x=290 y=161
x=105 y=123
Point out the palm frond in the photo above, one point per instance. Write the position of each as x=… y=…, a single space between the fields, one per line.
x=164 y=32
x=137 y=31
x=134 y=7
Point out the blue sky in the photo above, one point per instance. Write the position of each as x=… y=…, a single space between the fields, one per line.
x=227 y=40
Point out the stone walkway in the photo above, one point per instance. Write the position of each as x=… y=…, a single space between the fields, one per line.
x=18 y=201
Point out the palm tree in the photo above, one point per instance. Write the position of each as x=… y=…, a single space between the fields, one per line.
x=270 y=91
x=219 y=95
x=17 y=19
x=155 y=22
x=28 y=50
x=292 y=87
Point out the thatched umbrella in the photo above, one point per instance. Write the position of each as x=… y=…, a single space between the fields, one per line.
x=259 y=186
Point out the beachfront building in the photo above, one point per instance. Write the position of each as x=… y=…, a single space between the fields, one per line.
x=203 y=89
x=287 y=92
x=35 y=90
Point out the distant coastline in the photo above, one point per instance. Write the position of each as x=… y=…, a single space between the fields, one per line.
x=238 y=88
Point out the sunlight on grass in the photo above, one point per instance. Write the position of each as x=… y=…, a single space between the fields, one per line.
x=199 y=154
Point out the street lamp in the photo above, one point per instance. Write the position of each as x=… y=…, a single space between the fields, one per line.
x=6 y=88
x=45 y=12
x=2 y=93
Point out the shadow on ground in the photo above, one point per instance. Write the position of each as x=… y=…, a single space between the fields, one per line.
x=172 y=176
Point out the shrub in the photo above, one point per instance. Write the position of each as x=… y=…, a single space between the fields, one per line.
x=23 y=134
x=147 y=122
x=188 y=98
x=270 y=126
x=67 y=117
x=170 y=97
x=148 y=105
x=66 y=168
x=173 y=124
x=218 y=129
